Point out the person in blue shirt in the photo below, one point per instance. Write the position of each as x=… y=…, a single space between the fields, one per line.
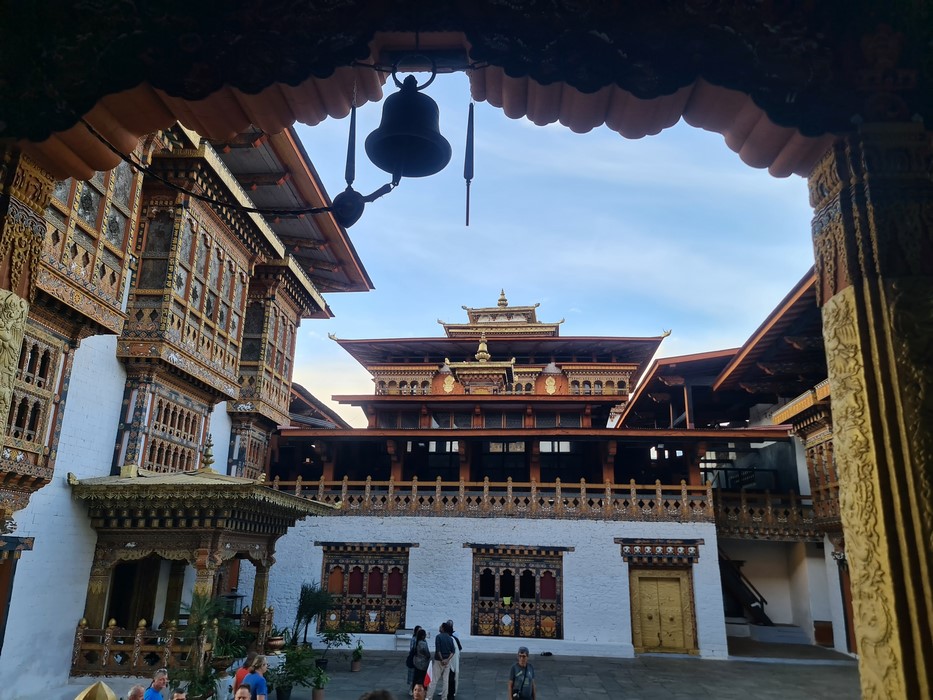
x=159 y=681
x=255 y=679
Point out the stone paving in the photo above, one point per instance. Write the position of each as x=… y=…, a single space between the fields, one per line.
x=817 y=674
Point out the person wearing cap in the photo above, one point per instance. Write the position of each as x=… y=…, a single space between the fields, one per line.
x=522 y=678
x=159 y=681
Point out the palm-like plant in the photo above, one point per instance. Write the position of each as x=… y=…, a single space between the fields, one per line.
x=313 y=600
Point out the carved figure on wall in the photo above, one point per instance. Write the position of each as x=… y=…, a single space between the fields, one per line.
x=13 y=312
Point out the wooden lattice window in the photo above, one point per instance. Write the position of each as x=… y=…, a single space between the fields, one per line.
x=174 y=435
x=517 y=591
x=369 y=583
x=37 y=377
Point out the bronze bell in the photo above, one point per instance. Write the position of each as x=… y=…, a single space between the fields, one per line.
x=408 y=141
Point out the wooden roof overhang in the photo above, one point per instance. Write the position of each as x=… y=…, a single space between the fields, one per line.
x=785 y=356
x=277 y=173
x=778 y=80
x=628 y=435
x=540 y=350
x=175 y=514
x=664 y=382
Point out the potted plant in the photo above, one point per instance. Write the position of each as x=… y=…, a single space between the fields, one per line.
x=356 y=660
x=199 y=683
x=319 y=679
x=297 y=668
x=313 y=601
x=335 y=638
x=276 y=640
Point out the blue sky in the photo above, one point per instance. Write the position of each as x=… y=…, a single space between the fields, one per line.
x=618 y=237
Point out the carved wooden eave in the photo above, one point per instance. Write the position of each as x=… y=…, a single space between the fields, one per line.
x=192 y=502
x=291 y=279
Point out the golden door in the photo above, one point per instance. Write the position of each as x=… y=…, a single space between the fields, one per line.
x=662 y=612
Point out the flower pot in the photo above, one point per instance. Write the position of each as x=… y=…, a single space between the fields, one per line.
x=356 y=665
x=221 y=663
x=317 y=694
x=321 y=664
x=274 y=644
x=283 y=693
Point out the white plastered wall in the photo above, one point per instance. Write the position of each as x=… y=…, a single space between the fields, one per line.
x=220 y=426
x=50 y=585
x=596 y=601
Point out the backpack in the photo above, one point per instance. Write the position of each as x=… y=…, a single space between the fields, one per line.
x=410 y=659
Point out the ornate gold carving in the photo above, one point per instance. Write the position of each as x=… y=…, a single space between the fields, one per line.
x=550 y=385
x=867 y=539
x=448 y=384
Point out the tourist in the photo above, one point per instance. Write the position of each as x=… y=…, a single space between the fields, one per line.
x=255 y=679
x=136 y=693
x=411 y=653
x=418 y=692
x=179 y=695
x=422 y=659
x=444 y=647
x=159 y=681
x=522 y=678
x=242 y=693
x=243 y=670
x=454 y=662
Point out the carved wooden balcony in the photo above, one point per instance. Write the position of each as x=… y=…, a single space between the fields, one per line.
x=486 y=499
x=767 y=516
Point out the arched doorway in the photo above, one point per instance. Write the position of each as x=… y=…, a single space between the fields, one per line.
x=870 y=189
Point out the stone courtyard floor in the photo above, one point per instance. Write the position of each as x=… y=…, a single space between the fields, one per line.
x=755 y=672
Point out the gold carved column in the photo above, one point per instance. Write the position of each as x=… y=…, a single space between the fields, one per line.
x=873 y=238
x=98 y=587
x=260 y=587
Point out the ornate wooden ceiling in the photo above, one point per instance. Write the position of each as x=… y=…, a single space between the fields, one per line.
x=778 y=79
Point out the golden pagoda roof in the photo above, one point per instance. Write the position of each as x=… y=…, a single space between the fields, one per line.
x=501 y=319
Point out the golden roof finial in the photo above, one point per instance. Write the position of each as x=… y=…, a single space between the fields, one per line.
x=503 y=302
x=482 y=355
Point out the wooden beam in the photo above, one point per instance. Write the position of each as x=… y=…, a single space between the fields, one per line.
x=253 y=181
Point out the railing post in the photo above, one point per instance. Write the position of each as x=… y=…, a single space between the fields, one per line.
x=558 y=500
x=684 y=507
x=413 y=506
x=138 y=644
x=607 y=501
x=461 y=497
x=709 y=499
x=633 y=499
x=344 y=490
x=794 y=516
x=79 y=641
x=534 y=497
x=169 y=643
x=275 y=483
x=390 y=499
x=658 y=505
x=584 y=506
x=509 y=505
x=769 y=509
x=438 y=505
x=367 y=493
x=320 y=489
x=108 y=642
x=298 y=485
x=485 y=506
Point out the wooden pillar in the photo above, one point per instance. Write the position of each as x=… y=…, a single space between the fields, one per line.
x=609 y=462
x=694 y=475
x=534 y=462
x=98 y=588
x=204 y=567
x=176 y=584
x=873 y=239
x=260 y=588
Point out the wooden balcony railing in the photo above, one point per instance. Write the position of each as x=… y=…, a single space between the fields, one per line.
x=766 y=516
x=486 y=499
x=116 y=651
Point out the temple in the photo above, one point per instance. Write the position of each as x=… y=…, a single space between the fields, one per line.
x=547 y=469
